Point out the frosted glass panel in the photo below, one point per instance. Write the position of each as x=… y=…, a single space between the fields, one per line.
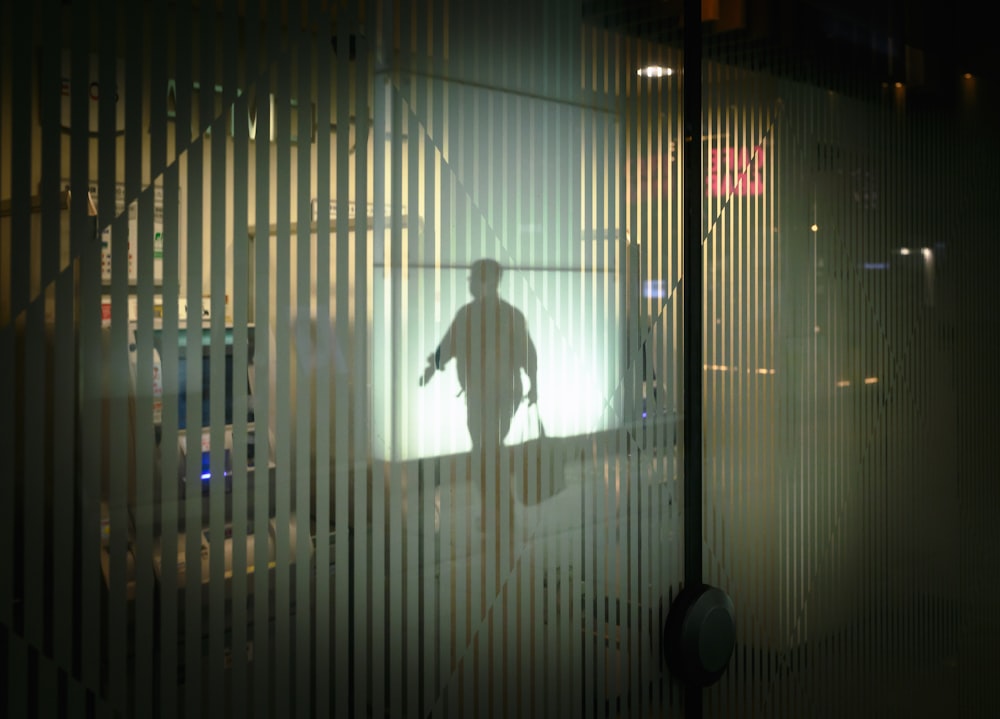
x=242 y=473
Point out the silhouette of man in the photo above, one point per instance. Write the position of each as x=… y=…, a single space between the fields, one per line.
x=489 y=340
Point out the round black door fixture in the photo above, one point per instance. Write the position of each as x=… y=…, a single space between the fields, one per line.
x=699 y=634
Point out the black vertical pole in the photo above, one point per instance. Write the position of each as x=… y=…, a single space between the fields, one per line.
x=692 y=315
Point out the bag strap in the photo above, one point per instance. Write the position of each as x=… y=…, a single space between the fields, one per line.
x=538 y=419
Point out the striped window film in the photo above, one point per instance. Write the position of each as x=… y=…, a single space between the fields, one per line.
x=272 y=385
x=342 y=354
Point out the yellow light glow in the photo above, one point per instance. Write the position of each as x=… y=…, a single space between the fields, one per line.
x=899 y=84
x=814 y=227
x=904 y=250
x=967 y=76
x=843 y=383
x=871 y=380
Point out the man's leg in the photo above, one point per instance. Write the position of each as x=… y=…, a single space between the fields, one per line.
x=488 y=421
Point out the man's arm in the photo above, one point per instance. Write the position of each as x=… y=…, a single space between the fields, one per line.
x=440 y=356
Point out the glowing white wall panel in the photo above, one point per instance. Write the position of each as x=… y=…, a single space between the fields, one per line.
x=572 y=319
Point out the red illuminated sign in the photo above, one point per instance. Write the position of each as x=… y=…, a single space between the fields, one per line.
x=729 y=171
x=735 y=171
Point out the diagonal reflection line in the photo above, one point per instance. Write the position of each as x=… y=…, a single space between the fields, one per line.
x=232 y=100
x=744 y=172
x=91 y=244
x=483 y=623
x=677 y=285
x=607 y=400
x=481 y=214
